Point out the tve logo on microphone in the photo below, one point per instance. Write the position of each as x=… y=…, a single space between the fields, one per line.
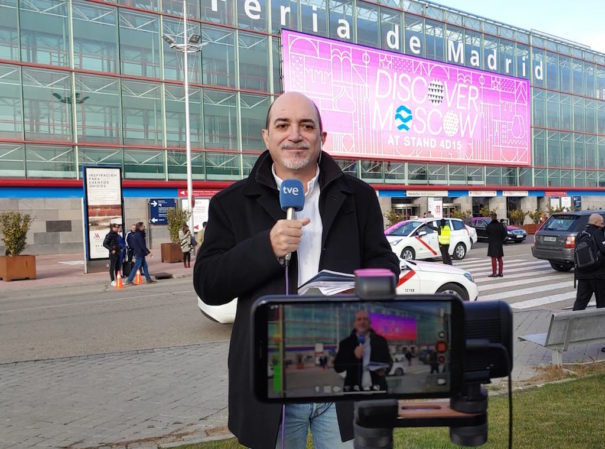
x=292 y=195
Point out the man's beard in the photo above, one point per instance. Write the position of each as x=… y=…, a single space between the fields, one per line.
x=297 y=163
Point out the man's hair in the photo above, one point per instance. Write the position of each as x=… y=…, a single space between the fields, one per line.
x=321 y=127
x=140 y=224
x=494 y=215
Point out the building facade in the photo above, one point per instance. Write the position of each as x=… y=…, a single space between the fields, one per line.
x=92 y=82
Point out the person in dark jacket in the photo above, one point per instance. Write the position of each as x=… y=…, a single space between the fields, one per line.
x=140 y=252
x=496 y=234
x=130 y=243
x=358 y=352
x=592 y=281
x=112 y=243
x=340 y=229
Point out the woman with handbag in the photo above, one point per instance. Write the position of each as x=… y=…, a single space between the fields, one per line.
x=185 y=240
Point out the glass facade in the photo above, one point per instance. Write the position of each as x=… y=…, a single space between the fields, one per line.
x=93 y=82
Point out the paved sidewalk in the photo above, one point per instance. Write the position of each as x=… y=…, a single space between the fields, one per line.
x=142 y=399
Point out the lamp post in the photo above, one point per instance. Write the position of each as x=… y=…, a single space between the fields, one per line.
x=191 y=45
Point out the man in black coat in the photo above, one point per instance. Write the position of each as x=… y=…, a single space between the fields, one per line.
x=496 y=234
x=247 y=235
x=358 y=352
x=112 y=243
x=592 y=281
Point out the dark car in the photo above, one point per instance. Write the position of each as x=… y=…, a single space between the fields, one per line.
x=555 y=240
x=513 y=233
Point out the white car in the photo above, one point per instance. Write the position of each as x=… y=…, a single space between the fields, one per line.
x=415 y=278
x=413 y=239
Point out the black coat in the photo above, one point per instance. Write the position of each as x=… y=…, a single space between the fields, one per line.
x=598 y=273
x=112 y=242
x=236 y=260
x=496 y=234
x=346 y=361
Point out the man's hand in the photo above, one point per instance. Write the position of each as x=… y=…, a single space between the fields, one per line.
x=358 y=352
x=285 y=236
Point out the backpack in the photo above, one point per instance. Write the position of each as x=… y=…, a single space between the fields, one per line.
x=587 y=256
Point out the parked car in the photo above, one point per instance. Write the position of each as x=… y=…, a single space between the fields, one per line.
x=414 y=240
x=514 y=234
x=416 y=278
x=398 y=366
x=555 y=240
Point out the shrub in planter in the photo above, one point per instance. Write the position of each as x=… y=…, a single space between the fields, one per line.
x=177 y=218
x=517 y=217
x=13 y=265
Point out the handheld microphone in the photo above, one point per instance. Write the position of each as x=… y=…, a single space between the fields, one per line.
x=291 y=199
x=361 y=339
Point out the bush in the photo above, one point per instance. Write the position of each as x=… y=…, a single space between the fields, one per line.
x=517 y=216
x=462 y=215
x=535 y=216
x=394 y=217
x=485 y=211
x=177 y=218
x=14 y=227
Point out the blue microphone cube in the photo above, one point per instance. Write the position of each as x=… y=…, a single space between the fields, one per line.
x=292 y=195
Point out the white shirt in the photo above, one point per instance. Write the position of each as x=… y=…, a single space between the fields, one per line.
x=309 y=250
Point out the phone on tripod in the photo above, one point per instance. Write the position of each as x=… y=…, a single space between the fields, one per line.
x=319 y=349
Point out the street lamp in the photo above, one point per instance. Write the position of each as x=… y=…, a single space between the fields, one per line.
x=191 y=45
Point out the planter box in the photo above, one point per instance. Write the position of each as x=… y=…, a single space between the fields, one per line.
x=171 y=252
x=531 y=228
x=17 y=267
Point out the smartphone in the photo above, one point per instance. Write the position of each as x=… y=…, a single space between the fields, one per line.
x=324 y=349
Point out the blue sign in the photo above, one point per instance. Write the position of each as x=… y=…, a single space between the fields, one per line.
x=577 y=203
x=158 y=210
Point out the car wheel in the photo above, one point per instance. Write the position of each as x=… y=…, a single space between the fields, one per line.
x=561 y=266
x=408 y=253
x=460 y=251
x=399 y=372
x=454 y=289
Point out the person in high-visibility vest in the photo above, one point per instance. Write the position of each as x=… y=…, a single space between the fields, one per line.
x=444 y=232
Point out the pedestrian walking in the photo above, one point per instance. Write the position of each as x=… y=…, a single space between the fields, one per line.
x=444 y=232
x=140 y=252
x=592 y=279
x=496 y=234
x=112 y=243
x=186 y=247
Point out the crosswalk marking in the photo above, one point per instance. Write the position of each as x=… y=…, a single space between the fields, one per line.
x=485 y=261
x=528 y=291
x=511 y=274
x=516 y=282
x=511 y=267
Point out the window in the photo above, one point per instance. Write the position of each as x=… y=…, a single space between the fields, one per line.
x=371 y=170
x=314 y=16
x=251 y=17
x=552 y=70
x=140 y=44
x=9 y=34
x=254 y=110
x=177 y=164
x=537 y=65
x=284 y=13
x=223 y=166
x=100 y=156
x=47 y=100
x=11 y=103
x=142 y=117
x=390 y=26
x=175 y=116
x=174 y=62
x=414 y=34
x=98 y=111
x=44 y=30
x=472 y=49
x=144 y=164
x=44 y=161
x=224 y=14
x=220 y=119
x=434 y=40
x=341 y=20
x=12 y=160
x=253 y=62
x=367 y=25
x=95 y=37
x=218 y=56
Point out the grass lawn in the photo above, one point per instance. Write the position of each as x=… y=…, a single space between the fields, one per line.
x=565 y=415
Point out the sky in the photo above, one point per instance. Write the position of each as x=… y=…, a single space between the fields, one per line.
x=581 y=21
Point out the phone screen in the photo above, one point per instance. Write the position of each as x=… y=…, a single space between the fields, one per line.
x=332 y=349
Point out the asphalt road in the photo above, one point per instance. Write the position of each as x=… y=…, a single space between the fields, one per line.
x=64 y=322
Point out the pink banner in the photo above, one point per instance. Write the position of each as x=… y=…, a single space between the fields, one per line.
x=385 y=105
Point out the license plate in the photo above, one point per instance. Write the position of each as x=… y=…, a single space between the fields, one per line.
x=550 y=239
